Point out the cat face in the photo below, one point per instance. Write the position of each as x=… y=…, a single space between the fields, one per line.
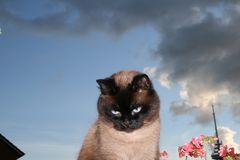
x=127 y=101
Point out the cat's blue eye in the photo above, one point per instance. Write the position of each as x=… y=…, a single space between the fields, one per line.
x=136 y=110
x=116 y=113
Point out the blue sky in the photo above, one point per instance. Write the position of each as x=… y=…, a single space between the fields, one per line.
x=50 y=59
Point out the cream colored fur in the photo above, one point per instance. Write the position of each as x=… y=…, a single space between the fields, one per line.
x=110 y=144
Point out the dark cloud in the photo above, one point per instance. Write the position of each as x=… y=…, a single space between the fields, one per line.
x=181 y=109
x=204 y=57
x=81 y=16
x=201 y=115
x=198 y=48
x=236 y=111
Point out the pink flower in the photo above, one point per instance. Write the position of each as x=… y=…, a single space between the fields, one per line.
x=197 y=142
x=181 y=151
x=201 y=153
x=226 y=151
x=223 y=151
x=164 y=155
x=231 y=152
x=194 y=148
x=184 y=150
x=188 y=147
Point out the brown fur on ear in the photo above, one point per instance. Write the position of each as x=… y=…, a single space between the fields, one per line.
x=141 y=81
x=107 y=86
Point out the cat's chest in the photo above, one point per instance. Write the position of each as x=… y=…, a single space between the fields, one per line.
x=129 y=151
x=138 y=145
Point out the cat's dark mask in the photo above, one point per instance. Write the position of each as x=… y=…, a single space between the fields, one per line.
x=127 y=108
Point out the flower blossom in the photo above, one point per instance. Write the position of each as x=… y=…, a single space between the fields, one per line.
x=163 y=155
x=227 y=151
x=194 y=148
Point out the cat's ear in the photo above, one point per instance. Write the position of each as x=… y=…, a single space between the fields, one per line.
x=141 y=82
x=107 y=86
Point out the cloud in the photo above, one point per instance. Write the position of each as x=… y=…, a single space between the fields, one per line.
x=81 y=16
x=162 y=78
x=198 y=47
x=236 y=110
x=203 y=58
x=227 y=137
x=180 y=108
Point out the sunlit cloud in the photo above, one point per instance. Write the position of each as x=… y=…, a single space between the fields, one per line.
x=227 y=137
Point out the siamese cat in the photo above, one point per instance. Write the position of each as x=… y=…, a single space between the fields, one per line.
x=128 y=124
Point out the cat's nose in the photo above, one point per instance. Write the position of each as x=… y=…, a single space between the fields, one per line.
x=127 y=122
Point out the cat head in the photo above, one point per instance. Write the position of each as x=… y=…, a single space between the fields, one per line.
x=127 y=101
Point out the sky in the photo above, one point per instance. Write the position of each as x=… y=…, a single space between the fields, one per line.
x=52 y=52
